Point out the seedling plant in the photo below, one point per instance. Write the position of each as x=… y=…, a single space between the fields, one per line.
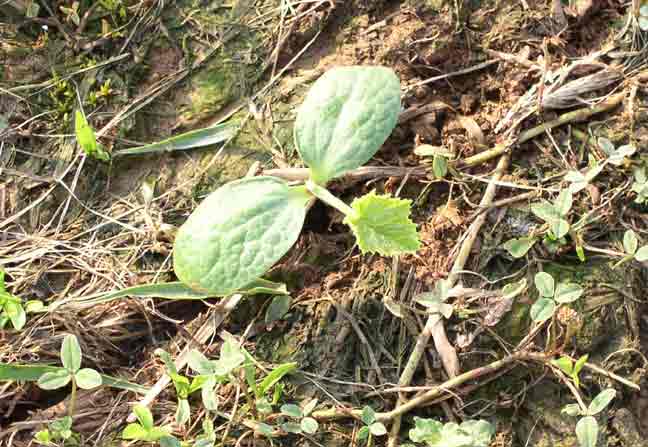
x=372 y=427
x=587 y=426
x=240 y=230
x=551 y=296
x=145 y=430
x=470 y=433
x=12 y=309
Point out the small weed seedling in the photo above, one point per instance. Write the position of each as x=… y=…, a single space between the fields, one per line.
x=86 y=138
x=435 y=301
x=183 y=386
x=208 y=436
x=632 y=250
x=58 y=432
x=550 y=296
x=640 y=185
x=12 y=309
x=469 y=433
x=240 y=230
x=372 y=427
x=571 y=368
x=587 y=426
x=302 y=422
x=86 y=378
x=215 y=372
x=145 y=430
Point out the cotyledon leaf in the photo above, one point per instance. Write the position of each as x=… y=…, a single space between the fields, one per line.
x=347 y=115
x=237 y=233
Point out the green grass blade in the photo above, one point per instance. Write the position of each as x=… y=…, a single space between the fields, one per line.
x=31 y=373
x=188 y=140
x=170 y=291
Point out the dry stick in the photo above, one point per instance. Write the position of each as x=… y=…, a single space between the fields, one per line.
x=574 y=116
x=202 y=335
x=434 y=325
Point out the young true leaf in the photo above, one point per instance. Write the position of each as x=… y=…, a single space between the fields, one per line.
x=601 y=401
x=381 y=224
x=567 y=292
x=363 y=433
x=237 y=233
x=86 y=138
x=544 y=282
x=440 y=166
x=542 y=309
x=587 y=431
x=580 y=363
x=347 y=115
x=144 y=417
x=630 y=242
x=54 y=380
x=519 y=247
x=16 y=313
x=183 y=412
x=134 y=431
x=565 y=364
x=71 y=353
x=368 y=415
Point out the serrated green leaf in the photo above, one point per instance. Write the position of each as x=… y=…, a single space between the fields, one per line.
x=54 y=380
x=542 y=309
x=347 y=115
x=544 y=282
x=565 y=364
x=382 y=224
x=587 y=431
x=630 y=242
x=567 y=292
x=87 y=378
x=519 y=247
x=642 y=254
x=237 y=233
x=368 y=415
x=71 y=353
x=601 y=401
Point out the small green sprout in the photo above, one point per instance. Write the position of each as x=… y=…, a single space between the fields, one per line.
x=215 y=372
x=11 y=308
x=86 y=378
x=550 y=296
x=616 y=155
x=571 y=368
x=579 y=181
x=372 y=427
x=86 y=138
x=145 y=430
x=643 y=18
x=555 y=214
x=305 y=423
x=57 y=433
x=470 y=433
x=640 y=185
x=440 y=158
x=183 y=386
x=243 y=228
x=587 y=427
x=632 y=249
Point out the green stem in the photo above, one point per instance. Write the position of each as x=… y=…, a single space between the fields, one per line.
x=325 y=196
x=72 y=397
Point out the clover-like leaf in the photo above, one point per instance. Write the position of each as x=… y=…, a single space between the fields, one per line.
x=567 y=292
x=54 y=380
x=587 y=431
x=291 y=410
x=642 y=254
x=563 y=202
x=630 y=242
x=347 y=115
x=542 y=309
x=617 y=156
x=378 y=429
x=601 y=401
x=426 y=430
x=480 y=431
x=309 y=425
x=559 y=228
x=382 y=224
x=544 y=282
x=237 y=233
x=545 y=211
x=519 y=247
x=87 y=378
x=71 y=353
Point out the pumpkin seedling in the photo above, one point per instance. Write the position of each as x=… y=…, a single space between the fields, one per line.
x=372 y=427
x=145 y=430
x=587 y=426
x=304 y=423
x=470 y=433
x=240 y=230
x=552 y=295
x=86 y=378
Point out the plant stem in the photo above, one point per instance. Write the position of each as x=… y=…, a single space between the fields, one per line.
x=72 y=397
x=325 y=196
